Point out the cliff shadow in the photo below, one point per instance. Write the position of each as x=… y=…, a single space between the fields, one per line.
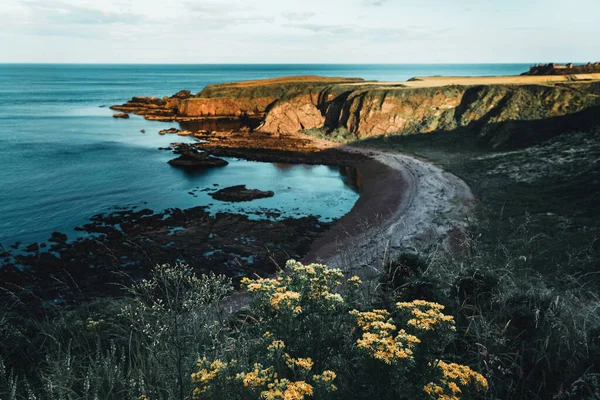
x=506 y=135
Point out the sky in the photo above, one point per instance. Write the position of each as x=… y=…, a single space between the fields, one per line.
x=299 y=31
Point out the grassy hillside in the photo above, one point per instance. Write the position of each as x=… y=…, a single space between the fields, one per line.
x=527 y=282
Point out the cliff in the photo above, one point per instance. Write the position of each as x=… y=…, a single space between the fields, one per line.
x=362 y=109
x=567 y=69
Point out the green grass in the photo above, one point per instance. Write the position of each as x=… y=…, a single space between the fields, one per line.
x=527 y=286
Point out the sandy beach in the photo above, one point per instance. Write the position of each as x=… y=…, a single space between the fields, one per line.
x=405 y=203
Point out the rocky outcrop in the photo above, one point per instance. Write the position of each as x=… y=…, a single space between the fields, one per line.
x=487 y=109
x=190 y=158
x=362 y=109
x=123 y=116
x=251 y=99
x=566 y=69
x=223 y=107
x=170 y=130
x=293 y=115
x=240 y=193
x=182 y=95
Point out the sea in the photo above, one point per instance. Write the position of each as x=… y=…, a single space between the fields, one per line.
x=63 y=158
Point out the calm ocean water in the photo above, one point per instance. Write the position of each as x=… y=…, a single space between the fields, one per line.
x=63 y=158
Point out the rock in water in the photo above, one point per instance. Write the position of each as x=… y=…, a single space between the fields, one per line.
x=165 y=131
x=240 y=193
x=193 y=159
x=58 y=237
x=123 y=115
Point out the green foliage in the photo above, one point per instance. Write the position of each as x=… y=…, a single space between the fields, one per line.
x=306 y=337
x=146 y=344
x=525 y=281
x=339 y=134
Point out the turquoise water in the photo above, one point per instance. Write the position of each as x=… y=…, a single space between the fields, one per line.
x=63 y=158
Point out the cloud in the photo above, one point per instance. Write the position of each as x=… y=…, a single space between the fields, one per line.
x=376 y=3
x=298 y=16
x=330 y=29
x=381 y=33
x=60 y=12
x=220 y=14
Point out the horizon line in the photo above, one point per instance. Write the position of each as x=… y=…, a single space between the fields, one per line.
x=303 y=63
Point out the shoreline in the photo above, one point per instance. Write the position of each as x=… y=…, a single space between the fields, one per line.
x=426 y=206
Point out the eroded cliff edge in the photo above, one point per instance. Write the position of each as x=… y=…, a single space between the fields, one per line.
x=354 y=108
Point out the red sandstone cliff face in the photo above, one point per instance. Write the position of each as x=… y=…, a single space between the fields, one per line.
x=294 y=115
x=370 y=112
x=224 y=107
x=289 y=105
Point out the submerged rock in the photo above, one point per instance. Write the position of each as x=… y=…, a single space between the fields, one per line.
x=122 y=115
x=32 y=248
x=240 y=193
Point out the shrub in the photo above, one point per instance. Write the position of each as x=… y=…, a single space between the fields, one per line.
x=308 y=337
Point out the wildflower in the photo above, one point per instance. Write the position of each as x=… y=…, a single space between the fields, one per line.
x=207 y=374
x=285 y=299
x=454 y=375
x=377 y=339
x=276 y=345
x=463 y=374
x=304 y=363
x=326 y=378
x=284 y=389
x=258 y=377
x=355 y=280
x=426 y=315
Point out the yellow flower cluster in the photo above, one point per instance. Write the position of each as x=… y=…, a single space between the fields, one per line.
x=304 y=363
x=378 y=340
x=291 y=362
x=258 y=377
x=462 y=374
x=207 y=374
x=426 y=315
x=286 y=299
x=326 y=376
x=261 y=285
x=355 y=280
x=286 y=390
x=453 y=374
x=271 y=386
x=276 y=345
x=301 y=283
